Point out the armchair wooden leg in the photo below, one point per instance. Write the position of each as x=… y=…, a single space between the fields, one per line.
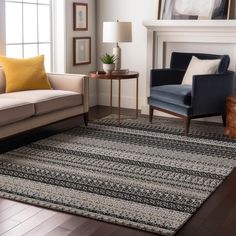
x=224 y=119
x=187 y=125
x=86 y=119
x=150 y=114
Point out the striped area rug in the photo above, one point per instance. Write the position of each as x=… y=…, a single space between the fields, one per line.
x=141 y=175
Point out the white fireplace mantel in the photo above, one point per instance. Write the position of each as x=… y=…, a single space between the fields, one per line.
x=187 y=31
x=191 y=25
x=160 y=32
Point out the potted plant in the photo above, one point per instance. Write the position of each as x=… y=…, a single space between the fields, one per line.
x=108 y=62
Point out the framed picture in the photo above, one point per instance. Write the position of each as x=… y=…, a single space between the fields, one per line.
x=80 y=16
x=158 y=7
x=192 y=9
x=82 y=50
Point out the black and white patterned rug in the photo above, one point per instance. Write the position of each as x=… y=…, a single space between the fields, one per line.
x=147 y=176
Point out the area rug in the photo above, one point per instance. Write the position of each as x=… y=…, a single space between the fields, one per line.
x=147 y=176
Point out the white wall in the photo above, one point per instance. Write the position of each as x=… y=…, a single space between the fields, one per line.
x=70 y=33
x=133 y=54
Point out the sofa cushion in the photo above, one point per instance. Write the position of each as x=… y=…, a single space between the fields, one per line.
x=13 y=110
x=46 y=101
x=200 y=67
x=24 y=74
x=173 y=94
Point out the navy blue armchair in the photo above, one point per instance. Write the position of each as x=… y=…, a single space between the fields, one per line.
x=205 y=97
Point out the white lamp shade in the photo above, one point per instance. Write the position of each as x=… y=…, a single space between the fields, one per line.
x=115 y=32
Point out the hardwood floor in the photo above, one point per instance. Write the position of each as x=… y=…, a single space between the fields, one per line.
x=21 y=219
x=217 y=216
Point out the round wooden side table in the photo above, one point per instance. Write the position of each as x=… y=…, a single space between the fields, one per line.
x=122 y=76
x=230 y=129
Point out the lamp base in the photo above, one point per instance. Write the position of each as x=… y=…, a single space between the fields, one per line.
x=117 y=53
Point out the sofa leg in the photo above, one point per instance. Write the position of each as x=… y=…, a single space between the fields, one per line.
x=150 y=114
x=86 y=119
x=224 y=119
x=187 y=125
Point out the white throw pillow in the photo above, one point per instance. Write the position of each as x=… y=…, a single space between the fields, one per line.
x=200 y=67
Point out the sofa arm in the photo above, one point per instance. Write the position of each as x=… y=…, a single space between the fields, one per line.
x=71 y=82
x=166 y=76
x=209 y=92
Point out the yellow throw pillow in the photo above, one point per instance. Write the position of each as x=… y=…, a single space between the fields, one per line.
x=24 y=74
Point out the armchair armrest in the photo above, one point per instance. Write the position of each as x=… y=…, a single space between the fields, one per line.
x=166 y=76
x=209 y=92
x=71 y=82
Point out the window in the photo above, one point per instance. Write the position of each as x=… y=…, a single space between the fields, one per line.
x=28 y=29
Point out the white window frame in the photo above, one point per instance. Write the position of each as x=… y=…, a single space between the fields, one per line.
x=58 y=34
x=37 y=42
x=2 y=29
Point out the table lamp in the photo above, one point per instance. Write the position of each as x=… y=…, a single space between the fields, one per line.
x=117 y=32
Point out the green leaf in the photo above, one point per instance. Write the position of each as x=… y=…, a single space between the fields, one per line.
x=108 y=59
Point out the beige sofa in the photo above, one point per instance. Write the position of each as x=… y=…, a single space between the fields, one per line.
x=26 y=110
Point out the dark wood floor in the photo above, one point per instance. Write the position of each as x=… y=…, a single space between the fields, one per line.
x=216 y=217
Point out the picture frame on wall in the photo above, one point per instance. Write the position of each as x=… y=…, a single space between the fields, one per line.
x=158 y=7
x=81 y=50
x=80 y=16
x=192 y=9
